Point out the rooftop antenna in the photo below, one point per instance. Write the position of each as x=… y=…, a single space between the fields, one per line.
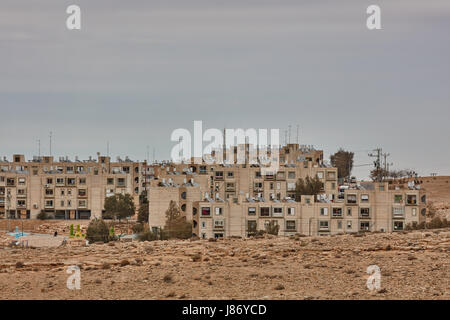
x=289 y=141
x=153 y=155
x=107 y=148
x=297 y=132
x=148 y=154
x=50 y=142
x=39 y=148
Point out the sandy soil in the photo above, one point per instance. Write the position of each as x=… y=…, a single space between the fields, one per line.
x=414 y=265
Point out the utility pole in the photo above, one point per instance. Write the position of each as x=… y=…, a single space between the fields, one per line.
x=377 y=163
x=386 y=165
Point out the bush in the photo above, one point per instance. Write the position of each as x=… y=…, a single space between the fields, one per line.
x=43 y=216
x=147 y=235
x=138 y=228
x=98 y=231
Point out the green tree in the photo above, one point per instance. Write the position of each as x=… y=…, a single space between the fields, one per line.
x=309 y=186
x=119 y=206
x=97 y=231
x=176 y=225
x=343 y=161
x=143 y=212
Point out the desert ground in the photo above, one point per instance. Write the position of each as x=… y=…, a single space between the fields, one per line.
x=414 y=265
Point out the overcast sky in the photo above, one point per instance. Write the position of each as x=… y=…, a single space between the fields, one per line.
x=137 y=70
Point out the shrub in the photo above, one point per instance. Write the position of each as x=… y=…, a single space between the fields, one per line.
x=168 y=278
x=138 y=228
x=42 y=215
x=98 y=231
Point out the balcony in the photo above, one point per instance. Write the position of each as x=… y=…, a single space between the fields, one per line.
x=398 y=212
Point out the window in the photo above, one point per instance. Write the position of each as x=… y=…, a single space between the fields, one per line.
x=351 y=198
x=323 y=211
x=364 y=226
x=49 y=181
x=257 y=174
x=218 y=211
x=337 y=212
x=82 y=180
x=121 y=182
x=398 y=225
x=349 y=224
x=219 y=175
x=398 y=211
x=349 y=211
x=277 y=212
x=62 y=203
x=82 y=192
x=219 y=224
x=320 y=175
x=291 y=186
x=331 y=175
x=364 y=212
x=323 y=225
x=49 y=203
x=339 y=224
x=203 y=224
x=333 y=186
x=291 y=211
x=110 y=181
x=291 y=174
x=251 y=211
x=60 y=181
x=230 y=174
x=183 y=207
x=398 y=198
x=364 y=198
x=69 y=203
x=424 y=199
x=183 y=195
x=69 y=192
x=62 y=192
x=21 y=203
x=280 y=175
x=264 y=212
x=381 y=187
x=290 y=225
x=258 y=185
x=414 y=212
x=22 y=181
x=411 y=199
x=206 y=211
x=48 y=192
x=21 y=192
x=82 y=203
x=251 y=226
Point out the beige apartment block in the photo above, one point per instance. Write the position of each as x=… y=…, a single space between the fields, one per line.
x=66 y=189
x=380 y=209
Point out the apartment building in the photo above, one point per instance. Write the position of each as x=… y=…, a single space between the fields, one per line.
x=225 y=182
x=65 y=189
x=380 y=208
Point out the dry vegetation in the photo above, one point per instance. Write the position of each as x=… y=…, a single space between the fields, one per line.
x=414 y=265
